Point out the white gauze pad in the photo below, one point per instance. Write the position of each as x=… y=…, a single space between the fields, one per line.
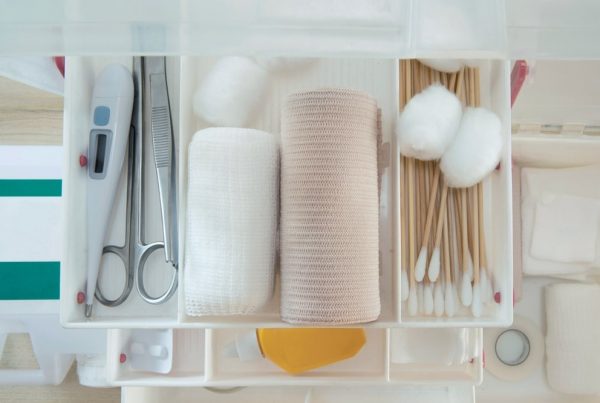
x=232 y=210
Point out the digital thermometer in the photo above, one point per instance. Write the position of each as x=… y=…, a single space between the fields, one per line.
x=110 y=122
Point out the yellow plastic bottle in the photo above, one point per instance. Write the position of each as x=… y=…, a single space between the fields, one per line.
x=296 y=350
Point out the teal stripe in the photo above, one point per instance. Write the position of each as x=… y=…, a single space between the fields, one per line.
x=30 y=187
x=29 y=280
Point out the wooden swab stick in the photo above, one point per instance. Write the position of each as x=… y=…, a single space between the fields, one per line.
x=411 y=188
x=482 y=248
x=401 y=92
x=447 y=249
x=464 y=228
x=418 y=199
x=441 y=216
x=430 y=208
x=434 y=265
x=482 y=251
x=452 y=82
x=411 y=219
x=475 y=210
x=456 y=227
x=403 y=222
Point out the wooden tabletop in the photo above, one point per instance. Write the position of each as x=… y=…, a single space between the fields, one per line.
x=31 y=117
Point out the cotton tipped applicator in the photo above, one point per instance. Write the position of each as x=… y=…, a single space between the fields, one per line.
x=466 y=292
x=434 y=265
x=484 y=280
x=421 y=264
x=404 y=288
x=413 y=303
x=450 y=291
x=412 y=293
x=428 y=305
x=421 y=298
x=476 y=302
x=438 y=299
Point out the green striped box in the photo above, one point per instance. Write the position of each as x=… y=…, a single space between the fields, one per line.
x=30 y=209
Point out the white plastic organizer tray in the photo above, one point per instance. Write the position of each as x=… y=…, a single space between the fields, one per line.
x=199 y=360
x=378 y=77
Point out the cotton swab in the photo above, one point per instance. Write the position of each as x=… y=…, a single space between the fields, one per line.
x=476 y=303
x=422 y=260
x=434 y=265
x=474 y=210
x=404 y=289
x=438 y=299
x=484 y=280
x=427 y=298
x=466 y=292
x=412 y=295
x=449 y=293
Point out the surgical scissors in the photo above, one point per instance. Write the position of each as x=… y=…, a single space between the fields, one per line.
x=135 y=252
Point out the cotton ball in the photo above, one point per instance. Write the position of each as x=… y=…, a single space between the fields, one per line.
x=231 y=92
x=476 y=149
x=429 y=123
x=443 y=65
x=279 y=64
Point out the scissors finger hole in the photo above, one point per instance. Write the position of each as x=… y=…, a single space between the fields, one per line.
x=112 y=277
x=157 y=273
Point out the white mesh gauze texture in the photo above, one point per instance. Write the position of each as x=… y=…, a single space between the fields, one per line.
x=572 y=334
x=232 y=210
x=329 y=208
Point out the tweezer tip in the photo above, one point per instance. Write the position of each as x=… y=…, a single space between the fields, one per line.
x=88 y=310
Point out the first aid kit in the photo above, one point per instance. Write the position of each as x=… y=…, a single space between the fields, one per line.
x=283 y=170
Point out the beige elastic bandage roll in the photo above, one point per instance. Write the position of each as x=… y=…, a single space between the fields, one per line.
x=329 y=208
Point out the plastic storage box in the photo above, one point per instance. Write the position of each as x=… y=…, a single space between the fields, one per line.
x=378 y=77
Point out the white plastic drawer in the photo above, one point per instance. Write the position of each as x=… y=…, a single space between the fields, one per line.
x=379 y=77
x=202 y=362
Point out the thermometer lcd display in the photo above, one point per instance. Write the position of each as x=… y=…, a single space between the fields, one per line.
x=100 y=153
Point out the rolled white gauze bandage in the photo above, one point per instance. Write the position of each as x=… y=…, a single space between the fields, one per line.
x=231 y=92
x=476 y=149
x=232 y=209
x=329 y=208
x=573 y=331
x=427 y=125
